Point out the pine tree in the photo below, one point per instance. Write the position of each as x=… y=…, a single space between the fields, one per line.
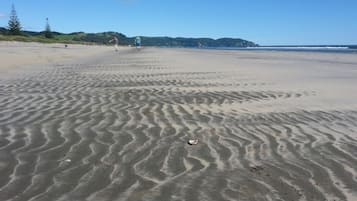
x=48 y=32
x=14 y=23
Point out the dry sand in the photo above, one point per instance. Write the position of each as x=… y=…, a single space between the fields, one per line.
x=114 y=126
x=18 y=56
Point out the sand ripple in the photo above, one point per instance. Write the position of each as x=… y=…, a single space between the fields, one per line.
x=124 y=124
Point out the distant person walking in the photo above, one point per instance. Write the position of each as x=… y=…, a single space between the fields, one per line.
x=116 y=42
x=137 y=42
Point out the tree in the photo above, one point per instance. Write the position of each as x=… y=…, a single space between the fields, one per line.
x=14 y=23
x=48 y=32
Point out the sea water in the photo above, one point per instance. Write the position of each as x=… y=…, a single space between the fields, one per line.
x=325 y=49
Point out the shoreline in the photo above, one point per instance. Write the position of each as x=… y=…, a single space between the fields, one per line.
x=333 y=50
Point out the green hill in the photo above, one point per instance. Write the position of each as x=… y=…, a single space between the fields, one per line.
x=105 y=37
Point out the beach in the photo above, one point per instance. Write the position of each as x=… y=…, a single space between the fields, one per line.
x=86 y=123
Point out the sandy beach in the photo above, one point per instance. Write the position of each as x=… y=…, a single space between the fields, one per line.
x=18 y=56
x=86 y=123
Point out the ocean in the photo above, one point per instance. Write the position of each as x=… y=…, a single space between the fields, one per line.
x=322 y=49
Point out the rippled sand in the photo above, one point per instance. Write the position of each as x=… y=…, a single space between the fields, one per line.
x=271 y=126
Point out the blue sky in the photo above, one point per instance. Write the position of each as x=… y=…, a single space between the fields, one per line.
x=266 y=22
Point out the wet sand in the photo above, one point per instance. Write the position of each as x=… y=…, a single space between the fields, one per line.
x=114 y=126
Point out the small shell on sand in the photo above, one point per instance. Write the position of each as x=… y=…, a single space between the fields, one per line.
x=192 y=142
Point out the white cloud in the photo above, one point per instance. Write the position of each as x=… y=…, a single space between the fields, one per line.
x=2 y=15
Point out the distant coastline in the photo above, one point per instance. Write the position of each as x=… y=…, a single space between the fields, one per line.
x=103 y=38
